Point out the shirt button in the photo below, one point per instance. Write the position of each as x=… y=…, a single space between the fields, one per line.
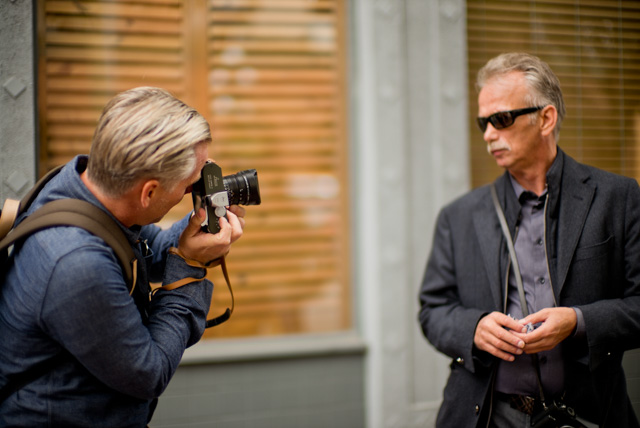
x=540 y=241
x=542 y=280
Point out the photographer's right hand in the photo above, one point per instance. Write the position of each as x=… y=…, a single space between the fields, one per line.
x=493 y=335
x=204 y=247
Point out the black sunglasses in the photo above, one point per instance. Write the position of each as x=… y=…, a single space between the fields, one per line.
x=504 y=119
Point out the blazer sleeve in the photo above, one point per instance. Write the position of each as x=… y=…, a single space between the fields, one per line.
x=445 y=321
x=612 y=323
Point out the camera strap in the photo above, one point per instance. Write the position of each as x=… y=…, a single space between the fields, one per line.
x=518 y=278
x=220 y=261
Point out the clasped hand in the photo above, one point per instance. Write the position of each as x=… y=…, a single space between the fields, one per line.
x=505 y=337
x=204 y=247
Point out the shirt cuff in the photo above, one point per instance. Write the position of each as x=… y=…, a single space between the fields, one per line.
x=580 y=330
x=177 y=269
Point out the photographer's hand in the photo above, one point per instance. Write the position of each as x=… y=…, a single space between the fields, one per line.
x=204 y=247
x=556 y=325
x=239 y=213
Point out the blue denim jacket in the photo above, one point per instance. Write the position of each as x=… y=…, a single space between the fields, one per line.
x=64 y=301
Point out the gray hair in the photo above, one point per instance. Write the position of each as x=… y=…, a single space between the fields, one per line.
x=145 y=133
x=543 y=84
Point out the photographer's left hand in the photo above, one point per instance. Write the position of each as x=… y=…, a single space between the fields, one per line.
x=556 y=324
x=203 y=247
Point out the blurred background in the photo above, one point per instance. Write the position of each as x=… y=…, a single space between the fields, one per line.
x=359 y=117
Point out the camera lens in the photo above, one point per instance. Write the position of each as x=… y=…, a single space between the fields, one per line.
x=242 y=187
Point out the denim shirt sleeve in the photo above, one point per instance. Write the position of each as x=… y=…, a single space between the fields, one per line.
x=160 y=241
x=91 y=314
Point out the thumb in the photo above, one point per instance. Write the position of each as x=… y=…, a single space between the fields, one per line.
x=195 y=221
x=535 y=318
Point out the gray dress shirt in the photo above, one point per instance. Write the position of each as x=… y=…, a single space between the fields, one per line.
x=519 y=377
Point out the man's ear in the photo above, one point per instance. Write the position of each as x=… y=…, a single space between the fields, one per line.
x=148 y=191
x=549 y=117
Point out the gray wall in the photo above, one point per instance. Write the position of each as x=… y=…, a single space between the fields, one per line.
x=323 y=391
x=411 y=157
x=17 y=95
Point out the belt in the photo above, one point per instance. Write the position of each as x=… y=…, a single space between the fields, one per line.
x=522 y=403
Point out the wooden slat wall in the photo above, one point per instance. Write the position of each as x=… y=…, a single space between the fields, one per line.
x=270 y=77
x=594 y=48
x=89 y=51
x=276 y=74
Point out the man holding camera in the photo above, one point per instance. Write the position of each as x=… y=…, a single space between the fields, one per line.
x=76 y=349
x=576 y=239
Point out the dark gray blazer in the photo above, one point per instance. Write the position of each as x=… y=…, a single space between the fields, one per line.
x=594 y=264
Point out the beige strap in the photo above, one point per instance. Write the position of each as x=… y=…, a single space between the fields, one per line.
x=8 y=216
x=195 y=263
x=178 y=284
x=219 y=261
x=134 y=274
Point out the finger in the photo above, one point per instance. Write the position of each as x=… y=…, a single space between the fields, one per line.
x=509 y=342
x=514 y=325
x=503 y=355
x=506 y=322
x=237 y=225
x=491 y=336
x=236 y=222
x=195 y=221
x=239 y=213
x=225 y=228
x=238 y=210
x=498 y=348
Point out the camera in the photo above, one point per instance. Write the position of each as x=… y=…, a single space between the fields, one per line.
x=215 y=192
x=558 y=415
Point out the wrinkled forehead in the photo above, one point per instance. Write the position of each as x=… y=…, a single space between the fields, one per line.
x=502 y=93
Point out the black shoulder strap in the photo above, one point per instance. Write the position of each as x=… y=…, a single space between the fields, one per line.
x=74 y=212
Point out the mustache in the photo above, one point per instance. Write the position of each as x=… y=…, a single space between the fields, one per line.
x=498 y=145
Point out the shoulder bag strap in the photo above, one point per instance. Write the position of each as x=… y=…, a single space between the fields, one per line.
x=74 y=212
x=518 y=278
x=12 y=208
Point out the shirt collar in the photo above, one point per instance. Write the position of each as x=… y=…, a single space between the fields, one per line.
x=553 y=180
x=70 y=185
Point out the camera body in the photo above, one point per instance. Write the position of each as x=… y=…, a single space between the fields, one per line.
x=557 y=415
x=215 y=193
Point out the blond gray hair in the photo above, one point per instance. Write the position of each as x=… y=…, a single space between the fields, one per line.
x=145 y=133
x=543 y=84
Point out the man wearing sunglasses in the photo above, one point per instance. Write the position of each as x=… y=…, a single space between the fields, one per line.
x=576 y=238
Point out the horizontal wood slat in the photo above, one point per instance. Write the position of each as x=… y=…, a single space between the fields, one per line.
x=166 y=11
x=113 y=25
x=601 y=11
x=82 y=54
x=260 y=17
x=272 y=32
x=274 y=4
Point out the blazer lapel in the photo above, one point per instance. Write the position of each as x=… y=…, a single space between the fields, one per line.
x=576 y=197
x=489 y=235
